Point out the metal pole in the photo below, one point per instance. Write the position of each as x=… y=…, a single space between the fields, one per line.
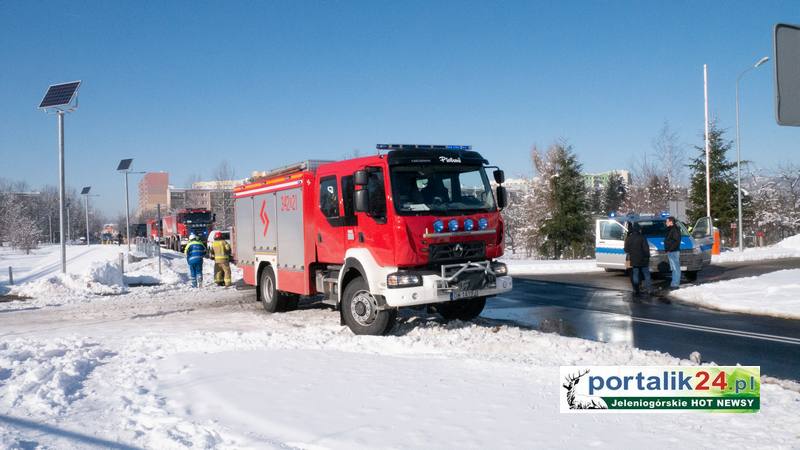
x=708 y=145
x=127 y=214
x=86 y=204
x=50 y=221
x=69 y=237
x=739 y=164
x=61 y=191
x=158 y=233
x=10 y=276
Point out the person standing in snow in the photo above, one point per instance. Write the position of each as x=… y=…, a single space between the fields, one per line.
x=195 y=250
x=638 y=252
x=672 y=245
x=221 y=251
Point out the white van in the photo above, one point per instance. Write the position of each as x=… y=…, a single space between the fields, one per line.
x=610 y=236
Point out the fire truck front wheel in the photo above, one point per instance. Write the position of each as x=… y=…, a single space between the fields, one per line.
x=361 y=310
x=272 y=299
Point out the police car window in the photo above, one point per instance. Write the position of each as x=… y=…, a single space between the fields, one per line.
x=611 y=230
x=329 y=197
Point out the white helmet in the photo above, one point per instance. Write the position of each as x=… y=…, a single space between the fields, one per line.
x=192 y=236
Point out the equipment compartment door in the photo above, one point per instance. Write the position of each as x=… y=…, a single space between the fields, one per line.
x=265 y=224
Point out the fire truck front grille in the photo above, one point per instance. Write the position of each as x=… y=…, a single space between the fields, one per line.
x=459 y=251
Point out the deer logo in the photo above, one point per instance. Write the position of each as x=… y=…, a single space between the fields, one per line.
x=580 y=401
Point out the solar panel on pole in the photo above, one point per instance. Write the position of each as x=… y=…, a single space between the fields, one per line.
x=60 y=94
x=59 y=98
x=85 y=190
x=125 y=164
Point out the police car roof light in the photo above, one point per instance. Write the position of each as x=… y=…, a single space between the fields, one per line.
x=664 y=214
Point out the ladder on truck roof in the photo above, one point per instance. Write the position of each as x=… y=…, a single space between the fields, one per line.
x=310 y=165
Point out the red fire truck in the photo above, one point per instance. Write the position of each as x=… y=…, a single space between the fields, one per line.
x=413 y=225
x=177 y=227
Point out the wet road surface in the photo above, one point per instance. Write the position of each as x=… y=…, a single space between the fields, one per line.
x=601 y=307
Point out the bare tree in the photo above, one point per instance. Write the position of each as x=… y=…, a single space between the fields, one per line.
x=670 y=156
x=193 y=178
x=222 y=198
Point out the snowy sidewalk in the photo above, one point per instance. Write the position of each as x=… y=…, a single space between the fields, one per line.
x=774 y=294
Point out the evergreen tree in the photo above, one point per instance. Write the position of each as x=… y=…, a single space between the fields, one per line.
x=723 y=182
x=614 y=193
x=596 y=197
x=566 y=230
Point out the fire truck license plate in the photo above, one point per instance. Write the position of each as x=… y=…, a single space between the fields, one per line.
x=457 y=295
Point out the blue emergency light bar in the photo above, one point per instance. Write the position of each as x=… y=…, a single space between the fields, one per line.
x=422 y=147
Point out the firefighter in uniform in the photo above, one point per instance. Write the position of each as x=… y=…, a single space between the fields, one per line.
x=195 y=251
x=221 y=251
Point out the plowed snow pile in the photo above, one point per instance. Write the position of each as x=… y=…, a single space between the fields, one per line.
x=787 y=248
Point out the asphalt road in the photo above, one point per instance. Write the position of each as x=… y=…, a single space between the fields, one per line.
x=600 y=306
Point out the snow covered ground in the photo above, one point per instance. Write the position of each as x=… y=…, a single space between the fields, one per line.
x=773 y=294
x=787 y=248
x=168 y=366
x=544 y=266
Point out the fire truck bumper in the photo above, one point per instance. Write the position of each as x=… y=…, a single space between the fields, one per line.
x=439 y=289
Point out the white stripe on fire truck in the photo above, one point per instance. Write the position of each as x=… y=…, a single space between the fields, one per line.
x=268 y=188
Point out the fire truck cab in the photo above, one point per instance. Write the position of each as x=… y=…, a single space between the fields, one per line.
x=412 y=225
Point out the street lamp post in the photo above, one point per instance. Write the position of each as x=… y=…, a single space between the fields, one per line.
x=68 y=223
x=739 y=151
x=85 y=194
x=125 y=167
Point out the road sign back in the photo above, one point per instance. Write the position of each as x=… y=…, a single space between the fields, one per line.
x=787 y=74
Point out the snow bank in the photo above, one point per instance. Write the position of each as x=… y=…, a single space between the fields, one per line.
x=543 y=266
x=787 y=248
x=773 y=294
x=45 y=378
x=101 y=278
x=145 y=272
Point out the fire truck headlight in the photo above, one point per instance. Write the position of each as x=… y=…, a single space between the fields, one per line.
x=438 y=226
x=483 y=223
x=452 y=225
x=499 y=268
x=403 y=279
x=469 y=225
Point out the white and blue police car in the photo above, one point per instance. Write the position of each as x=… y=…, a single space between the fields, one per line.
x=610 y=233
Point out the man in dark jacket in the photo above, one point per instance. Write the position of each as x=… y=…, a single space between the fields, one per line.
x=672 y=245
x=637 y=250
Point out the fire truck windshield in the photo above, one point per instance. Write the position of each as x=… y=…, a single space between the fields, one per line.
x=443 y=189
x=198 y=217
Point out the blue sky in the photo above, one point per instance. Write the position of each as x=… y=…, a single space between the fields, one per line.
x=181 y=86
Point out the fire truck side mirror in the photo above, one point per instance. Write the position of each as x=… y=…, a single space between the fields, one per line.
x=360 y=178
x=502 y=197
x=361 y=200
x=499 y=176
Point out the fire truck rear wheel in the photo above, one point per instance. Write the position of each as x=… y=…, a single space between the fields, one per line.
x=272 y=299
x=361 y=311
x=462 y=310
